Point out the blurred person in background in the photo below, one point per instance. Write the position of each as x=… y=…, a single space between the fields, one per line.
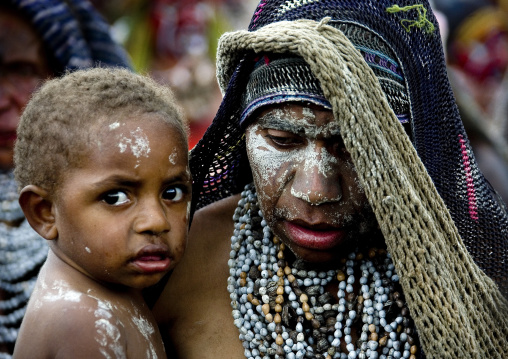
x=38 y=40
x=475 y=37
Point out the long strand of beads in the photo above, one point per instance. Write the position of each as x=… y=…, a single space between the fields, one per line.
x=284 y=312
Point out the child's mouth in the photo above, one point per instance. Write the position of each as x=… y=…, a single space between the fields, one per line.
x=152 y=263
x=152 y=259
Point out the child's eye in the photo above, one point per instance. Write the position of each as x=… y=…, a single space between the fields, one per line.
x=116 y=198
x=174 y=194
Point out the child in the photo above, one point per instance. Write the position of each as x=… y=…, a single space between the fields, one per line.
x=101 y=160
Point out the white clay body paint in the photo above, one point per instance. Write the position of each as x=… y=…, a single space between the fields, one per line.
x=108 y=333
x=146 y=329
x=268 y=160
x=114 y=125
x=137 y=142
x=57 y=291
x=107 y=322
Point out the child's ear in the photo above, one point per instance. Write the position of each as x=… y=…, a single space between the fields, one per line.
x=38 y=209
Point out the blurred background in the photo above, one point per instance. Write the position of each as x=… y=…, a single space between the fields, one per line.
x=475 y=39
x=175 y=42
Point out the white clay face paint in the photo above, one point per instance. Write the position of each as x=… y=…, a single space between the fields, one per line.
x=88 y=250
x=137 y=142
x=173 y=157
x=267 y=161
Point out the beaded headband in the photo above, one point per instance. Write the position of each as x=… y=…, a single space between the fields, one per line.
x=279 y=78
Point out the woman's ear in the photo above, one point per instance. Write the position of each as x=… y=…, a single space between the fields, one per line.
x=38 y=208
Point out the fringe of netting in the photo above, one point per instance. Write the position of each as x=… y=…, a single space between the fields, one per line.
x=459 y=311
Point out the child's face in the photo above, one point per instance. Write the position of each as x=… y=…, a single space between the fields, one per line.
x=122 y=217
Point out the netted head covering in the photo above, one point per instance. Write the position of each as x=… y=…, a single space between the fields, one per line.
x=73 y=32
x=276 y=79
x=279 y=78
x=434 y=207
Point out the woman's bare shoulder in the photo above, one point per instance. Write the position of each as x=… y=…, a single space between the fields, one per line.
x=194 y=309
x=215 y=215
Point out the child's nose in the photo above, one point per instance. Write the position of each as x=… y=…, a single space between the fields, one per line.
x=151 y=218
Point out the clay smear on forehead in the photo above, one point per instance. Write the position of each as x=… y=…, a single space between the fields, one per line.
x=268 y=160
x=136 y=142
x=173 y=157
x=114 y=125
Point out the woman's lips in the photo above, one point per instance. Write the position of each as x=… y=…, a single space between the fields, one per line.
x=314 y=238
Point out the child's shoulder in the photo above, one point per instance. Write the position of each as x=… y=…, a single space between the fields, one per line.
x=72 y=323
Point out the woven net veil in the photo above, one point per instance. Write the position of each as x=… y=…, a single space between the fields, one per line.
x=432 y=203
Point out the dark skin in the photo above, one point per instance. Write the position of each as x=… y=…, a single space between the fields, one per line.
x=315 y=191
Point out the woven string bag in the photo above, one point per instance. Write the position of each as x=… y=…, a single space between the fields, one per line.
x=443 y=224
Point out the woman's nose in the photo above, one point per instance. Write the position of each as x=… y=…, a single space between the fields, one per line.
x=317 y=178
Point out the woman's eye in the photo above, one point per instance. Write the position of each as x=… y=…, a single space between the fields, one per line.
x=174 y=194
x=284 y=139
x=116 y=198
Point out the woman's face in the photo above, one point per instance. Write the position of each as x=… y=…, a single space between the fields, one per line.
x=22 y=67
x=307 y=185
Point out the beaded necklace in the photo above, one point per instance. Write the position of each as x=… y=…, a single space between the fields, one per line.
x=22 y=253
x=285 y=312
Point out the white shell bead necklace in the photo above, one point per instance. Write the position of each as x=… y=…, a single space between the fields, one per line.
x=284 y=312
